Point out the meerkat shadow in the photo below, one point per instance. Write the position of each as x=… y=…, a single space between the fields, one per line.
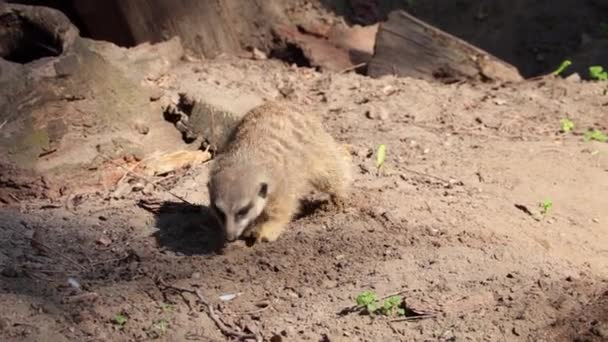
x=188 y=229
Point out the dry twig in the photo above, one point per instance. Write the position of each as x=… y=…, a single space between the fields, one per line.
x=419 y=173
x=351 y=68
x=145 y=179
x=227 y=331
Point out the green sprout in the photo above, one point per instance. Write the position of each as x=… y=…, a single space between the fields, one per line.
x=596 y=135
x=120 y=319
x=565 y=64
x=166 y=307
x=392 y=305
x=381 y=156
x=545 y=206
x=368 y=300
x=598 y=73
x=567 y=125
x=159 y=328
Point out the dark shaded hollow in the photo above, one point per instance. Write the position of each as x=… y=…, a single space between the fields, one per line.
x=22 y=41
x=291 y=54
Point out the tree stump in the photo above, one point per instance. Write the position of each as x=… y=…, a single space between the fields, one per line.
x=406 y=46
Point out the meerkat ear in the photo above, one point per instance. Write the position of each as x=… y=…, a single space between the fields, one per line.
x=263 y=190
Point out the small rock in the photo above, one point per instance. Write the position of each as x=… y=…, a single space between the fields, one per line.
x=500 y=102
x=258 y=55
x=306 y=292
x=330 y=284
x=196 y=275
x=447 y=336
x=574 y=77
x=142 y=128
x=377 y=113
x=104 y=241
x=596 y=220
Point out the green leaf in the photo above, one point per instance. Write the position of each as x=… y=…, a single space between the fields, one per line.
x=120 y=319
x=567 y=125
x=392 y=301
x=161 y=326
x=596 y=135
x=565 y=64
x=545 y=206
x=381 y=156
x=366 y=298
x=371 y=308
x=400 y=311
x=598 y=73
x=166 y=307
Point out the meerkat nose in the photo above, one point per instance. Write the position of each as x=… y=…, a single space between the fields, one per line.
x=231 y=237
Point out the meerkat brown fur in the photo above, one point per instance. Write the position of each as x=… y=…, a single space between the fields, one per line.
x=274 y=157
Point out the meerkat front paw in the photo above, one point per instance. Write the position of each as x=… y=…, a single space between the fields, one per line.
x=268 y=232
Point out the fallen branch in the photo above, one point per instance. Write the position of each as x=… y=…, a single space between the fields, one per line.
x=414 y=318
x=145 y=179
x=419 y=173
x=227 y=331
x=351 y=68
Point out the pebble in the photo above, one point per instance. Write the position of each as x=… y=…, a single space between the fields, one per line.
x=142 y=128
x=377 y=113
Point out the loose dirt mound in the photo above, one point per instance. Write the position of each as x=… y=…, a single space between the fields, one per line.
x=452 y=220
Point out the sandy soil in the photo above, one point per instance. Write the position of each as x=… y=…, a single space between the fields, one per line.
x=452 y=221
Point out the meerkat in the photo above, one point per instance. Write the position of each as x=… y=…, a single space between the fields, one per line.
x=274 y=157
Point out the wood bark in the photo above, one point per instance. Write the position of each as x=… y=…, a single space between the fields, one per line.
x=406 y=46
x=207 y=27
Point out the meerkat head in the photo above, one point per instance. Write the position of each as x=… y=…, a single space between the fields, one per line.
x=237 y=199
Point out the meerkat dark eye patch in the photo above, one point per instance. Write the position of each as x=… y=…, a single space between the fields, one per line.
x=244 y=210
x=263 y=190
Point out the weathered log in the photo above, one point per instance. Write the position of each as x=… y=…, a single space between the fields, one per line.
x=206 y=28
x=65 y=114
x=406 y=46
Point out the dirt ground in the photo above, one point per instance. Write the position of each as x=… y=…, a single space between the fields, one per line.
x=452 y=221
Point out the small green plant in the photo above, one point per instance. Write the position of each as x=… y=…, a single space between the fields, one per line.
x=545 y=206
x=120 y=320
x=567 y=125
x=166 y=307
x=392 y=305
x=598 y=73
x=380 y=156
x=159 y=328
x=596 y=135
x=371 y=305
x=565 y=64
x=368 y=300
